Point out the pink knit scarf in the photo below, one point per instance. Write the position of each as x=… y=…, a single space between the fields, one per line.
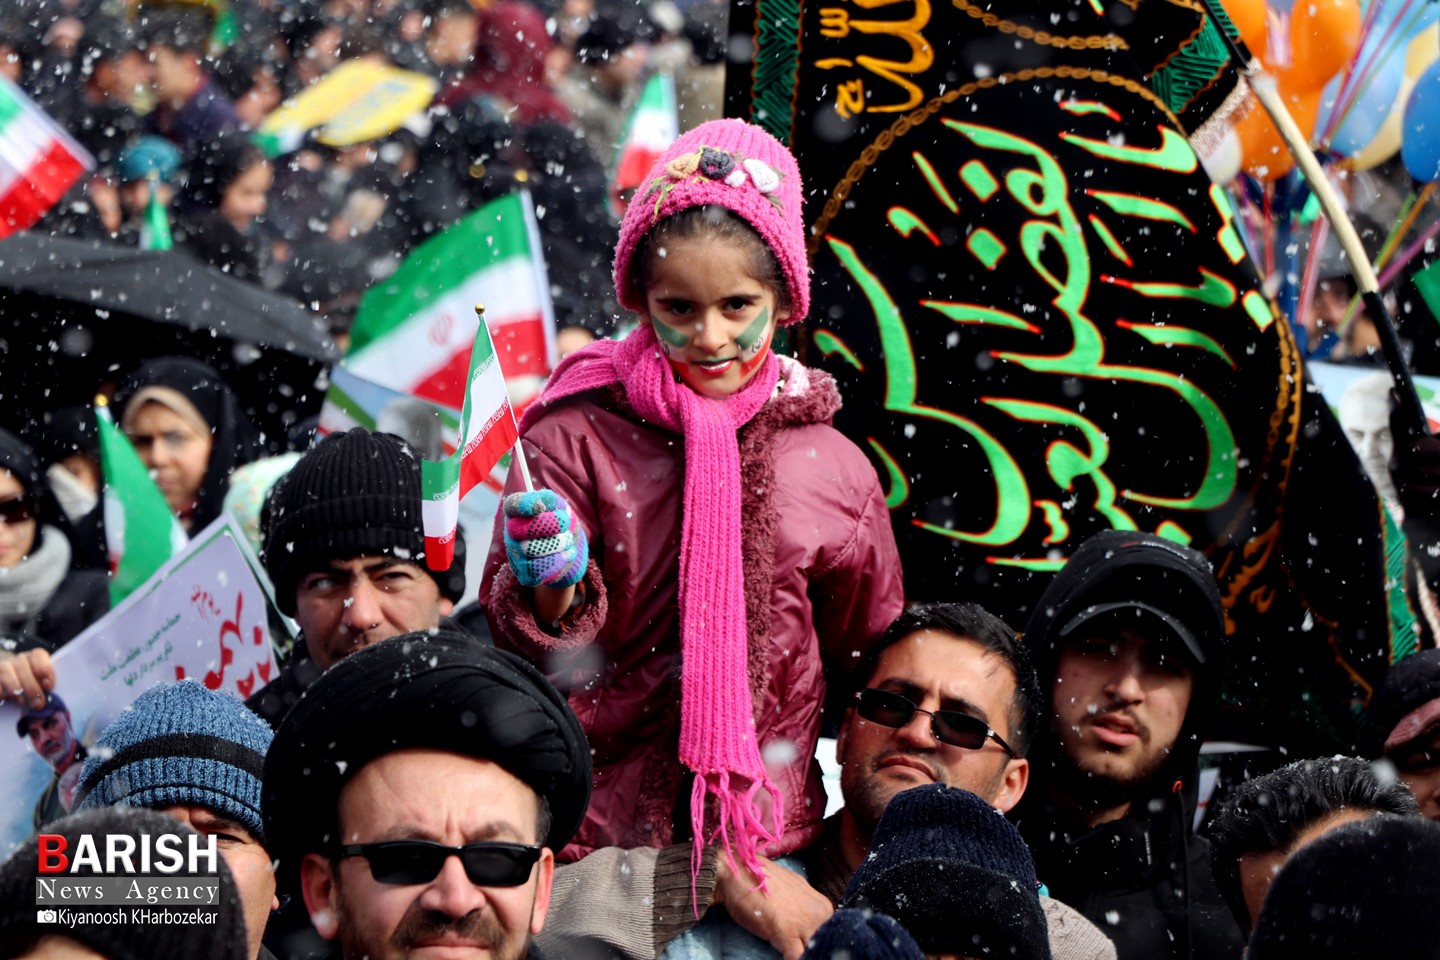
x=717 y=716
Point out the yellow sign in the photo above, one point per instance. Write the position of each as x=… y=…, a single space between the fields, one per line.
x=357 y=101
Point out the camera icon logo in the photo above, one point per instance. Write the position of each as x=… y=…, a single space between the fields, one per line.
x=46 y=916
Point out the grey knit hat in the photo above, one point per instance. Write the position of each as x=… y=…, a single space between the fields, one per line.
x=180 y=743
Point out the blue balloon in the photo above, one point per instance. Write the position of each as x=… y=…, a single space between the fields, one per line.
x=1371 y=105
x=1420 y=137
x=1413 y=16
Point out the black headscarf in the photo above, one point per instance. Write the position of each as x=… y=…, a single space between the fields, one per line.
x=236 y=442
x=20 y=460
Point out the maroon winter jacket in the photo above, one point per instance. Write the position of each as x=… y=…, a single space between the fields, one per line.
x=822 y=580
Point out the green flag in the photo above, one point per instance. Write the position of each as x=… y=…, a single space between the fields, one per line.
x=140 y=531
x=155 y=233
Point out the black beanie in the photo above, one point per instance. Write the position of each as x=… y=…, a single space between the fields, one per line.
x=955 y=873
x=20 y=925
x=435 y=690
x=1362 y=890
x=354 y=494
x=861 y=935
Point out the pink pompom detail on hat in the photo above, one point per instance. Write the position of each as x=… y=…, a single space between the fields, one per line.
x=731 y=164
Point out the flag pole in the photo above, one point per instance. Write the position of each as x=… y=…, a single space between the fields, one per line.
x=1269 y=97
x=520 y=460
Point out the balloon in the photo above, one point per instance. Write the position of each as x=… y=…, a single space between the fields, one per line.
x=1324 y=35
x=1262 y=149
x=1387 y=140
x=1249 y=18
x=1423 y=50
x=1369 y=106
x=1420 y=133
x=1410 y=16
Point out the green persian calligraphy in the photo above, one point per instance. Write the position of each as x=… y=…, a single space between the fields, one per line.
x=1059 y=246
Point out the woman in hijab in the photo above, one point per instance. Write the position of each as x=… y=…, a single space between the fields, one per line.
x=41 y=594
x=190 y=430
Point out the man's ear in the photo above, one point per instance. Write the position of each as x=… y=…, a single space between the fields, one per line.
x=544 y=882
x=319 y=884
x=1012 y=784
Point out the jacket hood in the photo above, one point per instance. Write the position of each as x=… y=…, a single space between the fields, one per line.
x=1167 y=584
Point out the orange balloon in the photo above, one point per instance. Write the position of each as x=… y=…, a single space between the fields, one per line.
x=1324 y=35
x=1249 y=18
x=1263 y=152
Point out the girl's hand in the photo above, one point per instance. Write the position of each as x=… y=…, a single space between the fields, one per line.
x=544 y=544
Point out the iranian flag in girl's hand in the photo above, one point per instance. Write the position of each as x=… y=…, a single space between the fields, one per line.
x=140 y=531
x=487 y=432
x=38 y=160
x=652 y=126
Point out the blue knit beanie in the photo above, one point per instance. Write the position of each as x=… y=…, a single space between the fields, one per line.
x=180 y=743
x=955 y=873
x=861 y=935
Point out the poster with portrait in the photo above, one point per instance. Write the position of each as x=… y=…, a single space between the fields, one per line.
x=203 y=615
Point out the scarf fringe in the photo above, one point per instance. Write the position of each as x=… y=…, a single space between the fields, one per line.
x=739 y=824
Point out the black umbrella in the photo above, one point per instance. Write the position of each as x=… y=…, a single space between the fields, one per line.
x=75 y=314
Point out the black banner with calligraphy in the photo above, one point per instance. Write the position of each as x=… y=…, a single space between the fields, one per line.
x=1044 y=323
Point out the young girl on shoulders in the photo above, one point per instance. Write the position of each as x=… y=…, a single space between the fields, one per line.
x=703 y=548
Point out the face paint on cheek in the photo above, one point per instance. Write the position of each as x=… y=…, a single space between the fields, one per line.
x=754 y=342
x=672 y=342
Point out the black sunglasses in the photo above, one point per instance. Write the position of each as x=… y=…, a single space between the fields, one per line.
x=949 y=726
x=408 y=862
x=16 y=510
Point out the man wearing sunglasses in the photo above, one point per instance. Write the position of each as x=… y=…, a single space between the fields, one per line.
x=946 y=695
x=1127 y=640
x=420 y=789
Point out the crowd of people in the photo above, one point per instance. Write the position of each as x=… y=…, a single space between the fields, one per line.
x=168 y=99
x=613 y=754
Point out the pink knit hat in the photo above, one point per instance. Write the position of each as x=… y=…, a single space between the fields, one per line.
x=732 y=164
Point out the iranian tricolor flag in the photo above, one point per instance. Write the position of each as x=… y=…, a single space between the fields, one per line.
x=414 y=331
x=487 y=432
x=652 y=126
x=140 y=531
x=38 y=160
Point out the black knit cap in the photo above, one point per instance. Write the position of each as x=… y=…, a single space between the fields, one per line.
x=1363 y=890
x=355 y=494
x=19 y=930
x=955 y=873
x=861 y=935
x=430 y=690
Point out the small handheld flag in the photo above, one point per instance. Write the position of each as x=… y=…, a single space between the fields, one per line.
x=141 y=532
x=487 y=431
x=155 y=232
x=38 y=160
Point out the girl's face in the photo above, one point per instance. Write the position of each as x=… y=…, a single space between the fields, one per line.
x=17 y=524
x=245 y=198
x=714 y=320
x=176 y=453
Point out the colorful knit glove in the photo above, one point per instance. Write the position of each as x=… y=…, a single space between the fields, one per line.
x=545 y=545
